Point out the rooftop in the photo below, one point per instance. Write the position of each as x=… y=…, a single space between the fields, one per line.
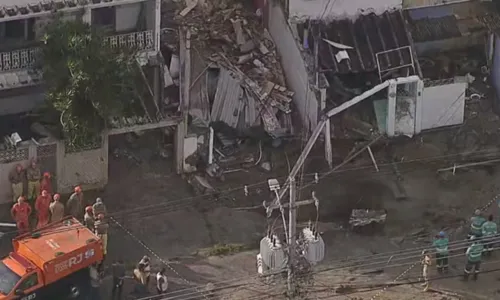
x=367 y=35
x=407 y=4
x=450 y=21
x=301 y=10
x=66 y=237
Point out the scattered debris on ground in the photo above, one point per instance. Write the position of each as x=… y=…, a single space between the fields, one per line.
x=242 y=77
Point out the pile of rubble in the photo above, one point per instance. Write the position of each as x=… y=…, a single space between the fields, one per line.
x=233 y=39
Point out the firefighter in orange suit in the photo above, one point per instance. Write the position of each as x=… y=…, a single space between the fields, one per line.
x=20 y=213
x=46 y=183
x=42 y=206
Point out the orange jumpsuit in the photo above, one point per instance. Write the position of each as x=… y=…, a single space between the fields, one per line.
x=42 y=208
x=46 y=185
x=21 y=212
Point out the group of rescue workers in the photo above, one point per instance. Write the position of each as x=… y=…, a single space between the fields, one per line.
x=48 y=207
x=482 y=236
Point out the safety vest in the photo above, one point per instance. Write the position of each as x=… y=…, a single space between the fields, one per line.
x=474 y=252
x=441 y=246
x=476 y=224
x=161 y=286
x=489 y=228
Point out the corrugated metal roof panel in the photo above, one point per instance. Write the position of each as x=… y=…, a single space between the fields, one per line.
x=407 y=4
x=452 y=20
x=228 y=102
x=368 y=35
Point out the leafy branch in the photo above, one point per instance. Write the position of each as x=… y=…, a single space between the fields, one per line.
x=88 y=82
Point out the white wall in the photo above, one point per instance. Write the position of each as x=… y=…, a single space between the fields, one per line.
x=495 y=69
x=88 y=169
x=293 y=66
x=329 y=9
x=443 y=105
x=127 y=16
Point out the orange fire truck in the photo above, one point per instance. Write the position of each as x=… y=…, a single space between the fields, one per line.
x=50 y=263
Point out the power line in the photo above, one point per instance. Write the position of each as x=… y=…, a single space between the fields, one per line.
x=153 y=209
x=349 y=265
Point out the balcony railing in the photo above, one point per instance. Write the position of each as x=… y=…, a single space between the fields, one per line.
x=26 y=58
x=18 y=59
x=142 y=40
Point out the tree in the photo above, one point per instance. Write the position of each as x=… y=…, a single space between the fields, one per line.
x=88 y=82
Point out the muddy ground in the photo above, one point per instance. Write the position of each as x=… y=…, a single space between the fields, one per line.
x=162 y=217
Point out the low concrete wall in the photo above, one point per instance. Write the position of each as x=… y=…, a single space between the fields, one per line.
x=87 y=168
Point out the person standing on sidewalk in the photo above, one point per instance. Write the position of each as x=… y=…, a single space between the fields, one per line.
x=489 y=229
x=426 y=262
x=34 y=175
x=441 y=246
x=16 y=177
x=118 y=271
x=474 y=255
x=95 y=283
x=161 y=282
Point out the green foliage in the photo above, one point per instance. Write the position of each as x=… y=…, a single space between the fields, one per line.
x=88 y=82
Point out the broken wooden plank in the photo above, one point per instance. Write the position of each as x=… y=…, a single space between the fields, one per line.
x=190 y=5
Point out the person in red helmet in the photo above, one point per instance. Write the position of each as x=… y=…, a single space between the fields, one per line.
x=74 y=206
x=56 y=209
x=88 y=218
x=46 y=183
x=42 y=207
x=20 y=213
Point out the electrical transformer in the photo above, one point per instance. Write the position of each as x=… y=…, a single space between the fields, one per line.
x=272 y=252
x=314 y=246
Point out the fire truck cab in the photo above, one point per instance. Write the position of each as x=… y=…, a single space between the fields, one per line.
x=50 y=263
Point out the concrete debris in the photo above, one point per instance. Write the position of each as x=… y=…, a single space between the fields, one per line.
x=266 y=166
x=363 y=217
x=215 y=171
x=234 y=41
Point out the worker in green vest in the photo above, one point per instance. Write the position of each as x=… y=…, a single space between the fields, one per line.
x=441 y=246
x=474 y=254
x=489 y=230
x=476 y=223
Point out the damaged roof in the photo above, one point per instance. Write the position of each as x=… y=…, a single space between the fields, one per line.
x=451 y=21
x=367 y=35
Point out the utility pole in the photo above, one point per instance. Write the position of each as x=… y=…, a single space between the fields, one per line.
x=290 y=229
x=292 y=244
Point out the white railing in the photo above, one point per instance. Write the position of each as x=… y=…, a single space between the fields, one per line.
x=18 y=59
x=142 y=40
x=26 y=58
